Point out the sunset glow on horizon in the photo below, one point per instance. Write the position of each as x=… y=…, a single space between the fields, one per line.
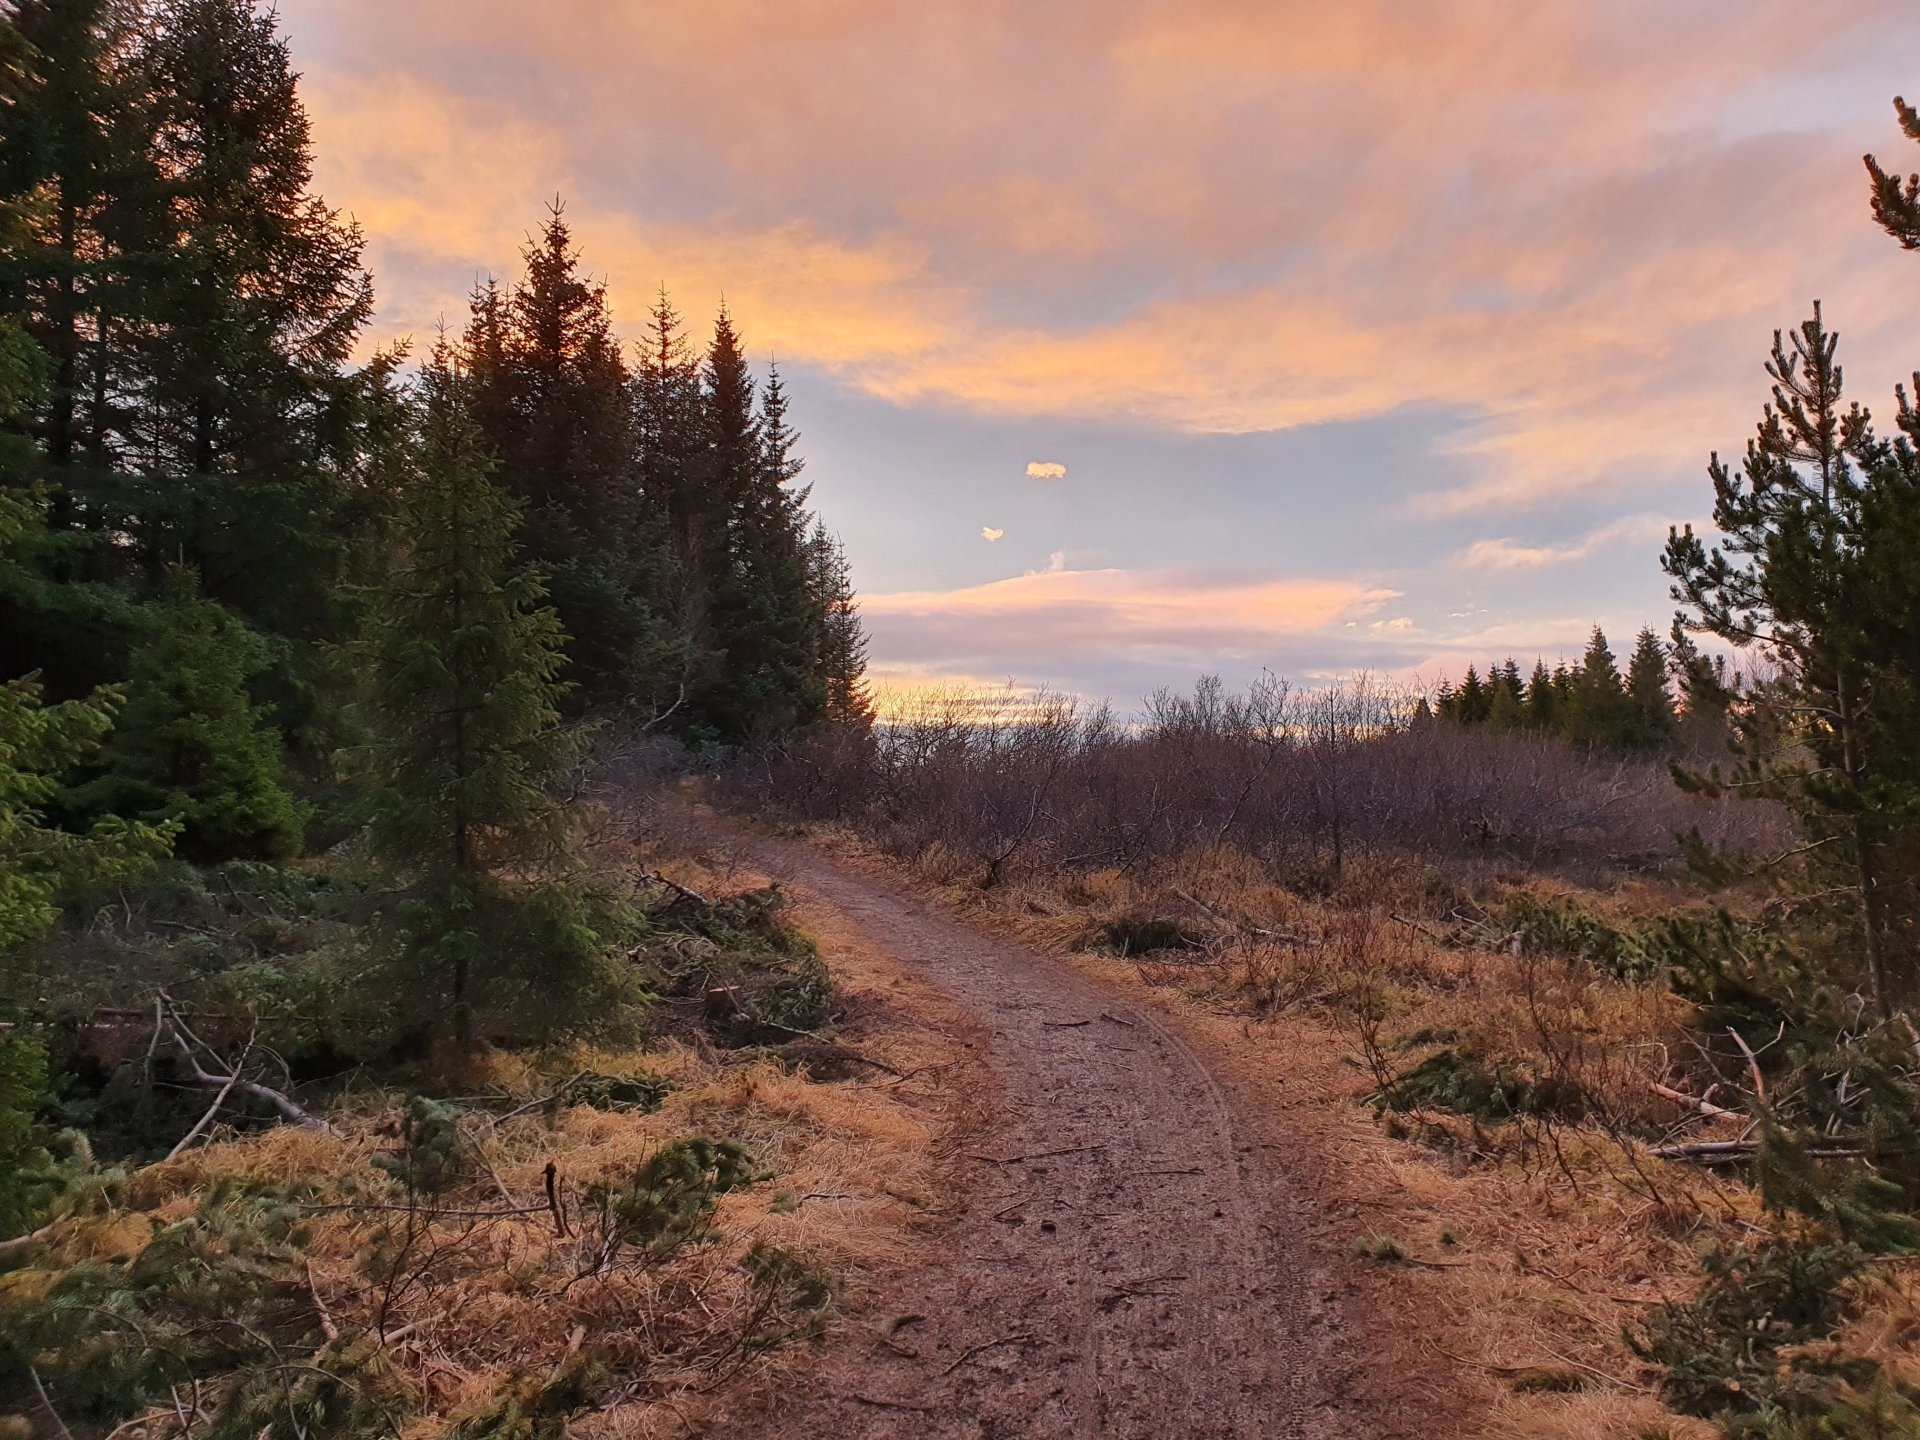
x=1246 y=335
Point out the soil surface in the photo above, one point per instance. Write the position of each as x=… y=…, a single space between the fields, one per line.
x=1133 y=1251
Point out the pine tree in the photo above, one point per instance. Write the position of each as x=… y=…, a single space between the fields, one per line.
x=192 y=748
x=680 y=509
x=1652 y=722
x=1821 y=565
x=462 y=663
x=1896 y=204
x=1706 y=693
x=1564 y=682
x=41 y=866
x=75 y=138
x=40 y=744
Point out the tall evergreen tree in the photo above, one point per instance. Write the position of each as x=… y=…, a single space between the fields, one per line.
x=1506 y=698
x=550 y=395
x=680 y=509
x=1600 y=711
x=1472 y=704
x=843 y=652
x=1651 y=706
x=769 y=622
x=462 y=662
x=1542 y=713
x=75 y=142
x=242 y=372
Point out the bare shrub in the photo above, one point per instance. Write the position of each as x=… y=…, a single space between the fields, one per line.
x=1307 y=781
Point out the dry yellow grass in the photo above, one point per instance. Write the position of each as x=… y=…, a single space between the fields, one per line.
x=853 y=1166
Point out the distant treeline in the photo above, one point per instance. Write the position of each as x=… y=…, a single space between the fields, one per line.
x=1670 y=694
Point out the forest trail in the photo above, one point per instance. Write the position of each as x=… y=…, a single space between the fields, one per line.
x=1131 y=1254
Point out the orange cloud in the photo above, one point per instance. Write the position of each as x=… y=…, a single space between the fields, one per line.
x=1512 y=555
x=1224 y=216
x=1077 y=611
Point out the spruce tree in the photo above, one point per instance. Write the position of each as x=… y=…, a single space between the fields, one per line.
x=843 y=653
x=550 y=395
x=1600 y=712
x=191 y=747
x=679 y=509
x=1563 y=691
x=1471 y=702
x=769 y=623
x=1541 y=707
x=1506 y=692
x=462 y=661
x=75 y=143
x=41 y=867
x=242 y=376
x=1652 y=721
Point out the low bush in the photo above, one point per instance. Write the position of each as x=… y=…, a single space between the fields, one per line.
x=1736 y=1348
x=668 y=1203
x=1466 y=1079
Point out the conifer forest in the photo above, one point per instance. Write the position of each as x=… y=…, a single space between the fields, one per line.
x=501 y=940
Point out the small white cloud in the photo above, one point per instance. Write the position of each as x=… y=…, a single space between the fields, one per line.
x=1386 y=627
x=989 y=534
x=1046 y=470
x=1056 y=564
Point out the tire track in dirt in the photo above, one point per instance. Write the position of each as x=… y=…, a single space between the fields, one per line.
x=1131 y=1257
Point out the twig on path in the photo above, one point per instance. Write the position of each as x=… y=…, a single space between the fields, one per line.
x=1064 y=1024
x=1116 y=1020
x=327 y=1327
x=1036 y=1155
x=875 y=1400
x=981 y=1349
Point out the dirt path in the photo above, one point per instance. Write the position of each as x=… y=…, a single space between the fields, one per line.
x=1132 y=1256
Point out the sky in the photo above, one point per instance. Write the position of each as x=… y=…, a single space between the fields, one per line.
x=1135 y=340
